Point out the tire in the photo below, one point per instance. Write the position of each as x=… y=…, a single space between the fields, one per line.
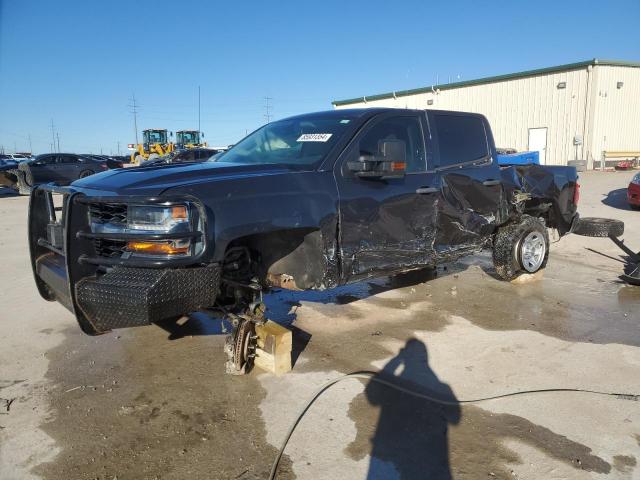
x=520 y=248
x=27 y=174
x=634 y=207
x=85 y=173
x=599 y=227
x=23 y=186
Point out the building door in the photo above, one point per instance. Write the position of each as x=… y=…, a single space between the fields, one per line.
x=538 y=142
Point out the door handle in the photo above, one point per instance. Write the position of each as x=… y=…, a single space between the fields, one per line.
x=491 y=183
x=426 y=190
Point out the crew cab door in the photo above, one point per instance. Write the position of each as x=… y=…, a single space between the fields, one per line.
x=386 y=225
x=473 y=200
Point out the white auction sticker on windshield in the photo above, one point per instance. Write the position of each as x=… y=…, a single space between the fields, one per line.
x=314 y=137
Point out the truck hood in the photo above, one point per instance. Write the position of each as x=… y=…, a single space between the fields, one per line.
x=151 y=181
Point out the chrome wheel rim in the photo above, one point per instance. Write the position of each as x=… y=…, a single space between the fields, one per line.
x=532 y=252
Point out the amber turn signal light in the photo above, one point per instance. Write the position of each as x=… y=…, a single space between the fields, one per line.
x=159 y=248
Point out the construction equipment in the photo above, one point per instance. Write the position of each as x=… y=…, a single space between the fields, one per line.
x=189 y=139
x=155 y=143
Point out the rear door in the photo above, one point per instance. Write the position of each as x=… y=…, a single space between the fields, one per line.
x=69 y=168
x=387 y=225
x=472 y=193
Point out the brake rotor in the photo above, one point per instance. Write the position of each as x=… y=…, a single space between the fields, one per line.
x=242 y=343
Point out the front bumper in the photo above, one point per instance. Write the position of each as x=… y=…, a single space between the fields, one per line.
x=107 y=293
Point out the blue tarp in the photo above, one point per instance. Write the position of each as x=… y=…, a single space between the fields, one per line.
x=520 y=158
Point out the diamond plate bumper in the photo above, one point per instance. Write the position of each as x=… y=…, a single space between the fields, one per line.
x=131 y=297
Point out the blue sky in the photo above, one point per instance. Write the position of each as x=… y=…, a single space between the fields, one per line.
x=78 y=62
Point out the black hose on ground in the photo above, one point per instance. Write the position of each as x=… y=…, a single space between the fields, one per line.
x=373 y=376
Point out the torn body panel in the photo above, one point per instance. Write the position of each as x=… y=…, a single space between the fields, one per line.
x=543 y=191
x=470 y=210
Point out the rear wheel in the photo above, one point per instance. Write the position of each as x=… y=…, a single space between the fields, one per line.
x=520 y=248
x=85 y=173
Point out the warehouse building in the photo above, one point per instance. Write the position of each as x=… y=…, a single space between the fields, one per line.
x=581 y=111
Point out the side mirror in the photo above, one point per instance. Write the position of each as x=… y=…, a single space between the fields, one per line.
x=202 y=133
x=391 y=162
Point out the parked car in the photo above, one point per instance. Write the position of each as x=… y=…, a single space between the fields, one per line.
x=59 y=168
x=18 y=157
x=188 y=155
x=309 y=202
x=633 y=192
x=112 y=162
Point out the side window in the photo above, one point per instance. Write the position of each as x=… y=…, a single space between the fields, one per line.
x=67 y=159
x=48 y=160
x=461 y=138
x=407 y=129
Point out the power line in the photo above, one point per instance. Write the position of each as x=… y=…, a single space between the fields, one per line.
x=134 y=109
x=267 y=109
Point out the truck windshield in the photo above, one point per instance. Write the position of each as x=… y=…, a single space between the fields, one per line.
x=155 y=136
x=296 y=142
x=187 y=138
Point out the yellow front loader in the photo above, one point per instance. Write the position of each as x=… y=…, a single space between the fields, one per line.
x=189 y=139
x=155 y=143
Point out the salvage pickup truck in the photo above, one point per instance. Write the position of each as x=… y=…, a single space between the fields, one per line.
x=309 y=202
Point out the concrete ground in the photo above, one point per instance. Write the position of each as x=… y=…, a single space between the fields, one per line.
x=154 y=402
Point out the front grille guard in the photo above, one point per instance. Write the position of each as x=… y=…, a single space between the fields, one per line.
x=68 y=235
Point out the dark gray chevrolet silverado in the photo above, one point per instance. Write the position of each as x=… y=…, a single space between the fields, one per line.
x=309 y=202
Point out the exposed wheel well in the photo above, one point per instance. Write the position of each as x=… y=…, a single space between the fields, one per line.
x=288 y=258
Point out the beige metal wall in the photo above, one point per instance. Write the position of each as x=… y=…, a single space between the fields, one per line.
x=590 y=106
x=616 y=120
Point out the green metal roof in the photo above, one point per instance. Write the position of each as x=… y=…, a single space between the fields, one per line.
x=480 y=81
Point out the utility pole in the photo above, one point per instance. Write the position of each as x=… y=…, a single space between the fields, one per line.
x=267 y=109
x=30 y=147
x=134 y=109
x=58 y=137
x=118 y=147
x=198 y=109
x=53 y=136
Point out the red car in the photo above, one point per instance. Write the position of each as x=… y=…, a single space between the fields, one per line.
x=633 y=192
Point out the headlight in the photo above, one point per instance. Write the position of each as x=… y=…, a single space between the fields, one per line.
x=159 y=219
x=178 y=223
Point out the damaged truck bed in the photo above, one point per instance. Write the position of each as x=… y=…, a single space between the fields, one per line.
x=309 y=202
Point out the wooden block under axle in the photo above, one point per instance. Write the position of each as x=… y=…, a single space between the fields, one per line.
x=274 y=348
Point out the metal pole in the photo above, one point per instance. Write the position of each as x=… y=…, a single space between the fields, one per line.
x=198 y=110
x=58 y=137
x=30 y=147
x=134 y=107
x=53 y=136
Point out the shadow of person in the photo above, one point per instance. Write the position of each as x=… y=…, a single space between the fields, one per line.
x=412 y=433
